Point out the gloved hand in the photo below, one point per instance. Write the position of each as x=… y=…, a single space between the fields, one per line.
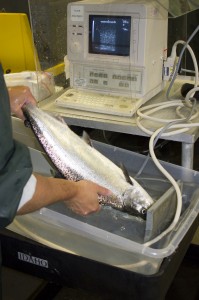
x=19 y=95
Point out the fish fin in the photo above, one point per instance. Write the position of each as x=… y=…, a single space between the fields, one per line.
x=126 y=174
x=56 y=174
x=86 y=138
x=27 y=123
x=60 y=118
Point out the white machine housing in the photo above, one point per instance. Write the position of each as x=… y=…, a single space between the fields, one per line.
x=117 y=47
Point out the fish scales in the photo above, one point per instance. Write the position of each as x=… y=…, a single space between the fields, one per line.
x=77 y=160
x=50 y=143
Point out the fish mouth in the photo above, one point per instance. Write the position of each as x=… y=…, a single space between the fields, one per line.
x=132 y=210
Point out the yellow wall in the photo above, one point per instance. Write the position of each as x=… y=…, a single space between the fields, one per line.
x=17 y=51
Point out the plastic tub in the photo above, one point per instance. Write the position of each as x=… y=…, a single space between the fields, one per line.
x=112 y=237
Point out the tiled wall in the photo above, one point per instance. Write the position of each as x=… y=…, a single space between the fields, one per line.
x=49 y=21
x=180 y=29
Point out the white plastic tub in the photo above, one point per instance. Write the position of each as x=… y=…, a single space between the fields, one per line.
x=110 y=236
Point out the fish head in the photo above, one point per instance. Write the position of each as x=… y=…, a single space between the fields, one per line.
x=136 y=203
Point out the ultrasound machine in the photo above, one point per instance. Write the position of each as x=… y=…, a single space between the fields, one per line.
x=116 y=53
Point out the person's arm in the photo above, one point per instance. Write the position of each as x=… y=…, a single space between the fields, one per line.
x=15 y=162
x=81 y=197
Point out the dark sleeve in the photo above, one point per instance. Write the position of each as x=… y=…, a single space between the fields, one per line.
x=15 y=162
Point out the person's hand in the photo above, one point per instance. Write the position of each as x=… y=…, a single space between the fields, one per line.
x=86 y=200
x=19 y=95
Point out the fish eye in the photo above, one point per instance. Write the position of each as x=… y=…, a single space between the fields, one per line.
x=143 y=211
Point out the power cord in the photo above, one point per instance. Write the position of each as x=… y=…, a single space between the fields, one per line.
x=171 y=124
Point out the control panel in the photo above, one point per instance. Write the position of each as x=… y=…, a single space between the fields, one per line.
x=106 y=79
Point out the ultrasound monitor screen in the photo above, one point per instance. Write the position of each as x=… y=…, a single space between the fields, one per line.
x=109 y=35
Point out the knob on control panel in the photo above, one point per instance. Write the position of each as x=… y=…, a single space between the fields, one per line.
x=75 y=47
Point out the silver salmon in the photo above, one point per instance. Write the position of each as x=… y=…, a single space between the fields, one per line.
x=76 y=160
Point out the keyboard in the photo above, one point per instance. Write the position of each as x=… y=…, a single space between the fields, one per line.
x=99 y=103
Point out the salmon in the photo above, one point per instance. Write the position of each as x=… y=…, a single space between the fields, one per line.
x=76 y=160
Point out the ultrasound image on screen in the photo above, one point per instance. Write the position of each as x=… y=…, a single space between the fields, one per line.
x=109 y=35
